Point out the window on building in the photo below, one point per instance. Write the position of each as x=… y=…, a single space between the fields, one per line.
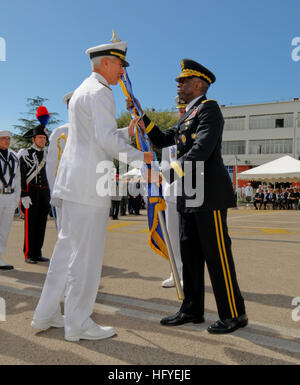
x=271 y=146
x=279 y=123
x=233 y=147
x=230 y=172
x=257 y=122
x=234 y=123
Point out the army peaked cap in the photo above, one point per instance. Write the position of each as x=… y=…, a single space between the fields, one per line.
x=190 y=68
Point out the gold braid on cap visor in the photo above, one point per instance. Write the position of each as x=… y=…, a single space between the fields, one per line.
x=187 y=72
x=117 y=54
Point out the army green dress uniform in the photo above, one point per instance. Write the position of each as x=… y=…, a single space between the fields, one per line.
x=203 y=229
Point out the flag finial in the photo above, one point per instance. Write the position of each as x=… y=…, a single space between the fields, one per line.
x=115 y=38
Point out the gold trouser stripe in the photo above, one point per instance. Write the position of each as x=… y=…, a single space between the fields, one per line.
x=227 y=265
x=222 y=262
x=149 y=127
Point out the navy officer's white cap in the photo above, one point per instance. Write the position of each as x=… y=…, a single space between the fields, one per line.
x=67 y=97
x=4 y=133
x=118 y=49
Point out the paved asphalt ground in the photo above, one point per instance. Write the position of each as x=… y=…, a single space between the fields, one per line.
x=266 y=248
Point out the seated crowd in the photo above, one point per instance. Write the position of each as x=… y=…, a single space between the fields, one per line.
x=281 y=199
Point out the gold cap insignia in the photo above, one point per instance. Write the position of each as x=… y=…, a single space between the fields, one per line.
x=115 y=38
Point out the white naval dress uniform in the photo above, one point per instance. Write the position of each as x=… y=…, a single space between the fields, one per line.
x=8 y=202
x=76 y=262
x=57 y=143
x=169 y=154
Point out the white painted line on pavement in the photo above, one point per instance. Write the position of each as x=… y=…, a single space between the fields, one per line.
x=264 y=341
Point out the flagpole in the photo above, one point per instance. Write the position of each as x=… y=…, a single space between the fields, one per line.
x=171 y=256
x=138 y=113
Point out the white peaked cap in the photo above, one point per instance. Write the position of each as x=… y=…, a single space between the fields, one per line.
x=117 y=49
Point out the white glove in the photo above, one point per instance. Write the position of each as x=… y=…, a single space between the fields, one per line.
x=26 y=202
x=56 y=202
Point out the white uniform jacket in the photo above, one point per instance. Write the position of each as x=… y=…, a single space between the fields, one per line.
x=169 y=154
x=11 y=200
x=57 y=143
x=93 y=138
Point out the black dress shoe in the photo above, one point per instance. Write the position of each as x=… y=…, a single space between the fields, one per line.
x=6 y=267
x=228 y=325
x=42 y=259
x=181 y=318
x=31 y=261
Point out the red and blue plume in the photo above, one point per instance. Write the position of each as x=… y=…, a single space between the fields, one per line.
x=43 y=115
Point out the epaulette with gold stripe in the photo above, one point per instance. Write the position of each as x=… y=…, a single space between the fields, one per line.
x=208 y=100
x=105 y=85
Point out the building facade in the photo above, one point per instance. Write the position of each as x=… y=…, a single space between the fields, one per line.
x=259 y=133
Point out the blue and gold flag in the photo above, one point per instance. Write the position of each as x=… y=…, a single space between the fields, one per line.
x=155 y=201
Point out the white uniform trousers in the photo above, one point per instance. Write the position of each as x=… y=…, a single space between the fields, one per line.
x=6 y=220
x=172 y=223
x=75 y=267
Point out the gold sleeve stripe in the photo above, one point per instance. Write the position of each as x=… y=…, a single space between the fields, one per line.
x=177 y=169
x=149 y=127
x=223 y=265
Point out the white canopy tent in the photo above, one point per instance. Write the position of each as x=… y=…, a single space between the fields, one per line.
x=285 y=169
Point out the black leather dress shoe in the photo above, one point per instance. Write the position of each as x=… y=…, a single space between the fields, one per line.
x=30 y=261
x=6 y=267
x=228 y=325
x=181 y=318
x=42 y=259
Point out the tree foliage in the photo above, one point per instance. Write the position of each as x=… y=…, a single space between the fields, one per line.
x=163 y=119
x=28 y=121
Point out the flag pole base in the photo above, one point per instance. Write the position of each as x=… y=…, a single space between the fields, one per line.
x=173 y=266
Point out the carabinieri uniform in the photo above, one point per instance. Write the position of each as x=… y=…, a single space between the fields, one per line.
x=34 y=184
x=9 y=195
